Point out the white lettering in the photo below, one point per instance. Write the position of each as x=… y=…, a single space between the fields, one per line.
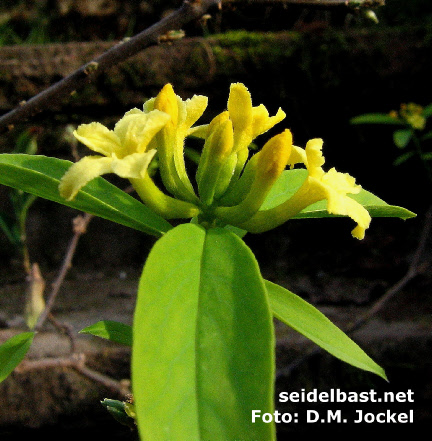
x=312 y=416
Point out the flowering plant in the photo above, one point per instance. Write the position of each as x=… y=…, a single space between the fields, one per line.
x=412 y=135
x=202 y=337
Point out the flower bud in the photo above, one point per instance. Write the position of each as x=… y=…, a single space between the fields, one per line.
x=214 y=170
x=270 y=163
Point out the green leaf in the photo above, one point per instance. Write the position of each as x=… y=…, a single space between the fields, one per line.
x=426 y=136
x=310 y=322
x=287 y=184
x=40 y=175
x=401 y=138
x=427 y=156
x=12 y=352
x=203 y=350
x=427 y=111
x=117 y=409
x=291 y=180
x=111 y=330
x=376 y=118
x=9 y=228
x=402 y=158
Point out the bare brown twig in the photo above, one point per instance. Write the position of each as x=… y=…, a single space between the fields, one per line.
x=413 y=270
x=348 y=3
x=76 y=361
x=55 y=94
x=80 y=225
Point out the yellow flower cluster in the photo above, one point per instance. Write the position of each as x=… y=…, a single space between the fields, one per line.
x=229 y=187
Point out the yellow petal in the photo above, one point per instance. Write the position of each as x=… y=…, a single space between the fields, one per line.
x=166 y=101
x=82 y=172
x=192 y=110
x=335 y=187
x=132 y=166
x=98 y=138
x=198 y=131
x=121 y=127
x=262 y=121
x=155 y=121
x=315 y=158
x=274 y=156
x=137 y=129
x=298 y=156
x=240 y=107
x=149 y=105
x=342 y=181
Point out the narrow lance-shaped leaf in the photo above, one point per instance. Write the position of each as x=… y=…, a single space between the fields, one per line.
x=40 y=175
x=203 y=344
x=111 y=330
x=13 y=351
x=313 y=324
x=376 y=118
x=291 y=180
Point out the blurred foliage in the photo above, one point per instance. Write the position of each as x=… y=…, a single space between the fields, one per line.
x=43 y=21
x=413 y=135
x=13 y=225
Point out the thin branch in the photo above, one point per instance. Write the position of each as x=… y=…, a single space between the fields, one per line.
x=75 y=361
x=413 y=270
x=348 y=3
x=55 y=94
x=80 y=225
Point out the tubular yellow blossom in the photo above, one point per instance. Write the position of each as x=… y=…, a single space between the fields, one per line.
x=270 y=163
x=170 y=140
x=332 y=186
x=248 y=122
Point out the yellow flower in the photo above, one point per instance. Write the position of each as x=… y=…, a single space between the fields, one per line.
x=124 y=149
x=169 y=142
x=319 y=185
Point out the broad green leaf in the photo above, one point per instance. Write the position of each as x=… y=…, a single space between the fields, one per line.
x=12 y=352
x=40 y=175
x=310 y=322
x=401 y=138
x=111 y=330
x=203 y=343
x=291 y=180
x=376 y=118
